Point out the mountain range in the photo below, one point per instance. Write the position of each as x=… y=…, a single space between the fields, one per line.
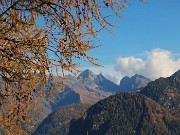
x=87 y=88
x=152 y=110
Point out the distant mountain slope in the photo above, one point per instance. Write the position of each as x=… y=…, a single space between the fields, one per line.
x=57 y=123
x=165 y=91
x=42 y=111
x=89 y=78
x=91 y=87
x=106 y=85
x=67 y=97
x=126 y=114
x=132 y=84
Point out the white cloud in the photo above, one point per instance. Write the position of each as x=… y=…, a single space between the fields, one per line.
x=159 y=63
x=129 y=65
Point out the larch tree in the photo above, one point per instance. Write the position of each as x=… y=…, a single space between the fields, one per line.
x=38 y=37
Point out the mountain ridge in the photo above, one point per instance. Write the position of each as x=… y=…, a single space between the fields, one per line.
x=131 y=84
x=165 y=91
x=141 y=113
x=126 y=114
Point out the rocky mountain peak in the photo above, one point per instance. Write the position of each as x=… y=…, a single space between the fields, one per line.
x=100 y=77
x=87 y=74
x=125 y=78
x=138 y=76
x=133 y=83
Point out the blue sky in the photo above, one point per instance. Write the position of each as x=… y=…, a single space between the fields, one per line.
x=143 y=28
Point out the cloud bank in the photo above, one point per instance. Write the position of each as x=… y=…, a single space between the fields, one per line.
x=158 y=63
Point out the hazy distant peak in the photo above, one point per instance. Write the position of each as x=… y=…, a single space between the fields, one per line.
x=140 y=78
x=100 y=74
x=125 y=78
x=136 y=75
x=87 y=74
x=133 y=83
x=100 y=77
x=70 y=76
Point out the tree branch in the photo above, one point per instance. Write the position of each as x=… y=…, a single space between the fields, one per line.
x=9 y=8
